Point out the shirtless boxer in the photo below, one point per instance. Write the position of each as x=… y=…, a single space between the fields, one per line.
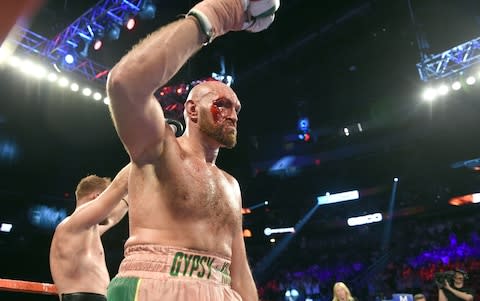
x=77 y=262
x=185 y=220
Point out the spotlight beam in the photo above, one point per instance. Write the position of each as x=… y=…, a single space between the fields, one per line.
x=253 y=207
x=388 y=225
x=263 y=265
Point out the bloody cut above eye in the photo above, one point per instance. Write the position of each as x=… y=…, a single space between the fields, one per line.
x=220 y=103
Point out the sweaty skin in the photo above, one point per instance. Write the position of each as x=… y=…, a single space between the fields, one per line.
x=77 y=261
x=79 y=264
x=187 y=201
x=179 y=197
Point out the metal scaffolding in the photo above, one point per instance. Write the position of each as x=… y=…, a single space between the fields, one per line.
x=451 y=62
x=78 y=36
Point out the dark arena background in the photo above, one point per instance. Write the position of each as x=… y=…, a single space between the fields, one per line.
x=376 y=98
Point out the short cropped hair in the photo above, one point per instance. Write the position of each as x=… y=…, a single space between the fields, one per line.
x=90 y=184
x=419 y=297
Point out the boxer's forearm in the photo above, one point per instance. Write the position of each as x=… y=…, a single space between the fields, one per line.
x=155 y=60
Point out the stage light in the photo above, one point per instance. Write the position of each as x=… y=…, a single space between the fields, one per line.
x=74 y=87
x=229 y=80
x=32 y=69
x=475 y=198
x=456 y=85
x=106 y=100
x=87 y=91
x=346 y=131
x=470 y=80
x=27 y=67
x=51 y=77
x=5 y=227
x=130 y=24
x=262 y=266
x=39 y=72
x=429 y=94
x=148 y=10
x=69 y=59
x=4 y=53
x=442 y=90
x=247 y=233
x=303 y=124
x=14 y=61
x=364 y=219
x=98 y=44
x=63 y=82
x=258 y=205
x=306 y=137
x=291 y=294
x=338 y=197
x=97 y=96
x=270 y=231
x=8 y=151
x=224 y=78
x=395 y=179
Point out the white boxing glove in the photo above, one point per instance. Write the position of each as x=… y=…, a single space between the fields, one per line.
x=260 y=14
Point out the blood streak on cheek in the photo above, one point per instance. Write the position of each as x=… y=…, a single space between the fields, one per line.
x=216 y=113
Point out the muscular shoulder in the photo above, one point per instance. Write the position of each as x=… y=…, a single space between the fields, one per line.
x=70 y=226
x=231 y=179
x=62 y=232
x=63 y=226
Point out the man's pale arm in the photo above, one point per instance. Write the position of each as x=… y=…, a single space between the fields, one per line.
x=137 y=115
x=96 y=211
x=115 y=216
x=242 y=279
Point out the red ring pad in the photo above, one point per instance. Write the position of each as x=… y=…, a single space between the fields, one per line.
x=27 y=287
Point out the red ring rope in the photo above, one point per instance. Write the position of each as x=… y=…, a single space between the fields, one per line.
x=27 y=287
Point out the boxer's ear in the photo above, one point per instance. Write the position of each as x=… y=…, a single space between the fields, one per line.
x=191 y=109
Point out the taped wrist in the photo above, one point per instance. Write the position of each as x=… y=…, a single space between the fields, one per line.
x=217 y=17
x=204 y=24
